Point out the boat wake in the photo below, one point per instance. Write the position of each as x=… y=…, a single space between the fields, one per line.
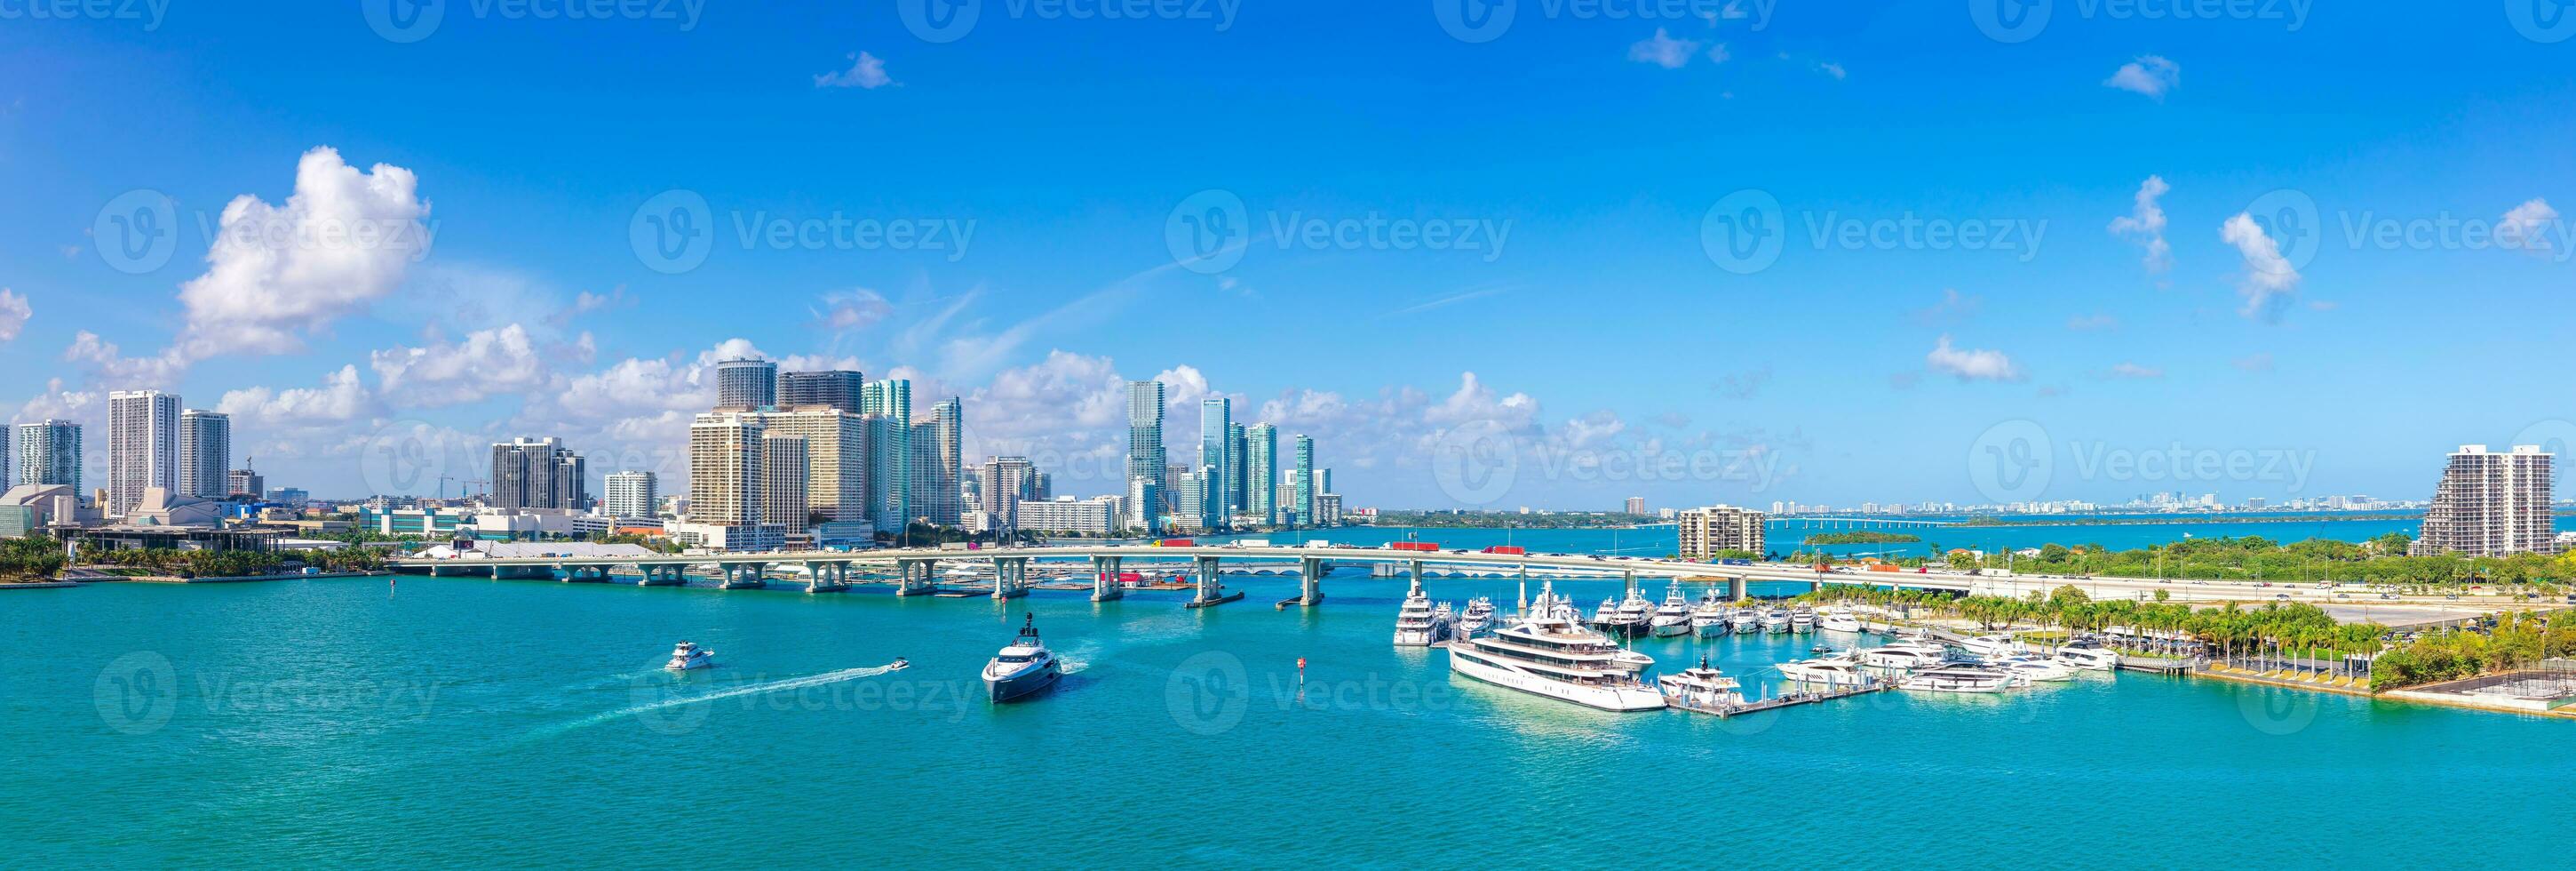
x=1078 y=658
x=785 y=685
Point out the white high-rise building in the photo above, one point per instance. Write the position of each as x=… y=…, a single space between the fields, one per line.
x=205 y=452
x=142 y=446
x=783 y=461
x=1705 y=531
x=888 y=407
x=2491 y=504
x=632 y=494
x=726 y=478
x=938 y=445
x=836 y=472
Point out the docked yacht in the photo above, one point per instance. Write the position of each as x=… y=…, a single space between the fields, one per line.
x=1743 y=621
x=1709 y=619
x=1608 y=615
x=2089 y=658
x=1901 y=658
x=1802 y=621
x=1415 y=623
x=1674 y=617
x=1477 y=619
x=1831 y=671
x=1635 y=617
x=1702 y=687
x=1023 y=667
x=1547 y=653
x=2032 y=668
x=1993 y=644
x=1960 y=679
x=687 y=656
x=1837 y=621
x=1775 y=621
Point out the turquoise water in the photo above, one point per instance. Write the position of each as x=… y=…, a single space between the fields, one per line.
x=467 y=721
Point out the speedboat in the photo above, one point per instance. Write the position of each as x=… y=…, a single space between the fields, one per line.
x=1993 y=644
x=1960 y=679
x=1702 y=687
x=1415 y=623
x=1837 y=621
x=1025 y=666
x=1674 y=617
x=687 y=656
x=899 y=664
x=1548 y=653
x=2032 y=668
x=1709 y=619
x=1830 y=670
x=1478 y=618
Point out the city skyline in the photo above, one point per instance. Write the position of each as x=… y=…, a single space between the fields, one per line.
x=2115 y=309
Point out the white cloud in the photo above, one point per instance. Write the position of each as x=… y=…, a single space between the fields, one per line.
x=13 y=314
x=2146 y=223
x=487 y=363
x=1474 y=402
x=1663 y=50
x=340 y=399
x=2150 y=75
x=2133 y=370
x=1718 y=54
x=866 y=71
x=55 y=403
x=2524 y=228
x=107 y=366
x=2092 y=322
x=2269 y=278
x=343 y=239
x=854 y=309
x=1971 y=364
x=1832 y=69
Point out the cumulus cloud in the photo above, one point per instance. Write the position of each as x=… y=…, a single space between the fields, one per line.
x=13 y=314
x=1663 y=50
x=340 y=399
x=2269 y=279
x=849 y=310
x=2145 y=222
x=1832 y=69
x=867 y=72
x=2524 y=228
x=487 y=363
x=1971 y=364
x=343 y=239
x=2151 y=75
x=108 y=365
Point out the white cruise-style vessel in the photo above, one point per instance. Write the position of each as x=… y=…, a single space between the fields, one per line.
x=1415 y=623
x=686 y=656
x=1709 y=619
x=1673 y=618
x=1831 y=671
x=1960 y=679
x=2089 y=658
x=1635 y=617
x=1023 y=667
x=1901 y=657
x=1549 y=653
x=1478 y=619
x=1994 y=644
x=1702 y=687
x=1837 y=621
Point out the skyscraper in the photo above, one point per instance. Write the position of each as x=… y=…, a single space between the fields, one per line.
x=538 y=473
x=1236 y=500
x=2490 y=504
x=1145 y=435
x=50 y=453
x=1305 y=480
x=1261 y=472
x=205 y=452
x=142 y=446
x=746 y=384
x=783 y=462
x=632 y=494
x=1007 y=482
x=887 y=404
x=726 y=477
x=1216 y=418
x=245 y=482
x=938 y=441
x=1189 y=494
x=1703 y=532
x=835 y=476
x=838 y=388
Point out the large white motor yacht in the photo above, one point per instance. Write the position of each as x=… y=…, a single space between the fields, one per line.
x=1635 y=617
x=1702 y=687
x=1993 y=644
x=1709 y=619
x=1477 y=619
x=2032 y=668
x=687 y=656
x=1743 y=621
x=1415 y=624
x=1023 y=667
x=1674 y=617
x=1547 y=653
x=1901 y=658
x=2089 y=658
x=1837 y=621
x=1960 y=679
x=1830 y=671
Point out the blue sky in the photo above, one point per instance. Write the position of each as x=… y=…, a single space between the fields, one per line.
x=1045 y=172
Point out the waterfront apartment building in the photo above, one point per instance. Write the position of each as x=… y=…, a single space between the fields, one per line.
x=2491 y=504
x=142 y=447
x=632 y=494
x=1098 y=515
x=1238 y=493
x=538 y=473
x=1304 y=479
x=746 y=384
x=783 y=464
x=887 y=405
x=1637 y=505
x=1145 y=458
x=205 y=452
x=1190 y=501
x=1328 y=509
x=838 y=388
x=1144 y=506
x=726 y=478
x=1706 y=531
x=1007 y=482
x=837 y=448
x=938 y=444
x=1261 y=473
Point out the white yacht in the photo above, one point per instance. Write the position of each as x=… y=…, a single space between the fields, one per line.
x=1702 y=687
x=1993 y=644
x=1608 y=615
x=1831 y=671
x=1674 y=617
x=1837 y=621
x=1743 y=621
x=2032 y=668
x=2089 y=658
x=1775 y=621
x=1802 y=621
x=1709 y=619
x=1478 y=618
x=1023 y=667
x=1415 y=624
x=687 y=656
x=1900 y=658
x=1960 y=679
x=1547 y=653
x=1635 y=618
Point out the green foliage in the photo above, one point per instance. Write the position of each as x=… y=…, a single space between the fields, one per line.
x=35 y=557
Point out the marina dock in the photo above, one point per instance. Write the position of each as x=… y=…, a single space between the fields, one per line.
x=1782 y=701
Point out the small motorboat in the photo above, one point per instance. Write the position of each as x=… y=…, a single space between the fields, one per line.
x=900 y=664
x=687 y=656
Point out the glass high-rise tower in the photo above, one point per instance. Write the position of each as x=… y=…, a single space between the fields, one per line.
x=1216 y=420
x=746 y=384
x=1145 y=436
x=1305 y=481
x=1261 y=472
x=887 y=405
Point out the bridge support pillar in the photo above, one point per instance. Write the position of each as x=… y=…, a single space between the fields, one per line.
x=745 y=576
x=1310 y=579
x=920 y=577
x=1211 y=587
x=823 y=577
x=1735 y=588
x=1104 y=579
x=1413 y=569
x=1630 y=578
x=1010 y=577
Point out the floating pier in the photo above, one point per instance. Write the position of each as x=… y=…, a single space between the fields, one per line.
x=1801 y=697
